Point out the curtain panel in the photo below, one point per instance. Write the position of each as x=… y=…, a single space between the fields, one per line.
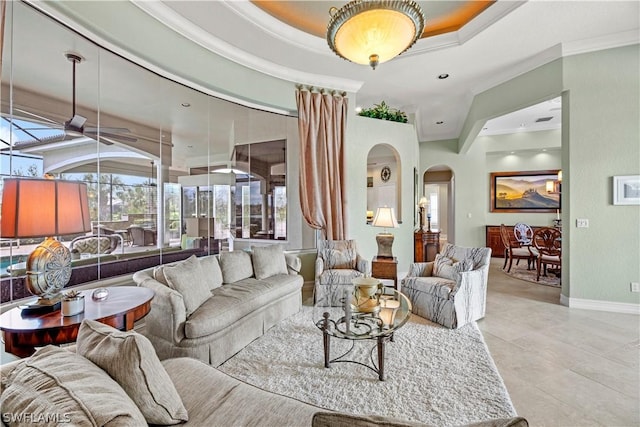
x=322 y=121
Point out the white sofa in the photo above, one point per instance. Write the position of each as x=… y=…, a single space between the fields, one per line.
x=452 y=290
x=210 y=308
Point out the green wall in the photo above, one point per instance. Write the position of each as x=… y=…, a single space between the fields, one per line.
x=600 y=139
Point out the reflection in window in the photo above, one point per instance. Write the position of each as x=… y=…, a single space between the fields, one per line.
x=261 y=205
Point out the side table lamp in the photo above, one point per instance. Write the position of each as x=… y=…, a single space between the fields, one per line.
x=34 y=208
x=385 y=217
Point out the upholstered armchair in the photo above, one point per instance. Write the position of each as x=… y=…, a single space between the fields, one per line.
x=95 y=244
x=338 y=263
x=451 y=290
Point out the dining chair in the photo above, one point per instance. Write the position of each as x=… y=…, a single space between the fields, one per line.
x=523 y=233
x=548 y=243
x=514 y=250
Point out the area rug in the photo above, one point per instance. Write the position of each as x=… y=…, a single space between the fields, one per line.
x=433 y=375
x=520 y=272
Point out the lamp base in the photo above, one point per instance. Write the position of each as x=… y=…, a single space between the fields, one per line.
x=385 y=242
x=42 y=305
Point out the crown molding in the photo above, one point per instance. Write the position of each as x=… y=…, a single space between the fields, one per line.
x=188 y=29
x=609 y=41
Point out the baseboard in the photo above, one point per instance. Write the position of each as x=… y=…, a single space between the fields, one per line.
x=589 y=304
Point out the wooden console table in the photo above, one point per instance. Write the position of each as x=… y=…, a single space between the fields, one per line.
x=426 y=245
x=22 y=332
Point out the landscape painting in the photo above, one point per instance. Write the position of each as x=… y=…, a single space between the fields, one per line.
x=536 y=191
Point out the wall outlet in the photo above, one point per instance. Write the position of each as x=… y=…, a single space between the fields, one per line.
x=635 y=287
x=582 y=223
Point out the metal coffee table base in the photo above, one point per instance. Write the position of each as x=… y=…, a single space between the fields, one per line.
x=380 y=346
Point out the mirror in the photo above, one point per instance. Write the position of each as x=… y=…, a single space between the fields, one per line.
x=383 y=180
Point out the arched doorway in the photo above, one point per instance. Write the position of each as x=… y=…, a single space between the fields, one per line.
x=438 y=188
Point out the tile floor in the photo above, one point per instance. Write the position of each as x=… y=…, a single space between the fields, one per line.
x=562 y=366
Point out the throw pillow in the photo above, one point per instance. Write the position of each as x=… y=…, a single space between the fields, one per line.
x=235 y=266
x=439 y=262
x=58 y=387
x=129 y=358
x=339 y=254
x=186 y=277
x=212 y=274
x=268 y=261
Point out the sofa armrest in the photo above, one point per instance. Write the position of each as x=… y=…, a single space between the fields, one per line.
x=168 y=313
x=363 y=265
x=420 y=269
x=294 y=264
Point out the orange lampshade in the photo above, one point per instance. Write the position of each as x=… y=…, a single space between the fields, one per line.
x=43 y=208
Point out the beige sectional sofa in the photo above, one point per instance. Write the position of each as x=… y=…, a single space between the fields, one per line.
x=211 y=307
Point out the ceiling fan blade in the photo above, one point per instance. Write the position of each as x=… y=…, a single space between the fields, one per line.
x=116 y=137
x=37 y=116
x=90 y=129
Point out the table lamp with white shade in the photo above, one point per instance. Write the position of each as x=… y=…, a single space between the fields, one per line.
x=386 y=218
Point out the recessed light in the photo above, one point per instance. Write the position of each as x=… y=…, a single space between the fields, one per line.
x=186 y=104
x=544 y=149
x=189 y=146
x=443 y=76
x=439 y=122
x=513 y=152
x=485 y=128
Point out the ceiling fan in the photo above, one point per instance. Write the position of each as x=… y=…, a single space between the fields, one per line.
x=75 y=126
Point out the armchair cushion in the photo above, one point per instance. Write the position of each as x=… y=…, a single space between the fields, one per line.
x=235 y=266
x=268 y=261
x=186 y=278
x=339 y=276
x=129 y=358
x=338 y=254
x=448 y=269
x=436 y=286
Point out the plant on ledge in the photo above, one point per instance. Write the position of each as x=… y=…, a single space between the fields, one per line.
x=384 y=112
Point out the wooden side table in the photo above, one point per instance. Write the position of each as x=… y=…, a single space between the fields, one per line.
x=121 y=309
x=385 y=268
x=426 y=245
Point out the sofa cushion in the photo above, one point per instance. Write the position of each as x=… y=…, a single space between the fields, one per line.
x=67 y=389
x=212 y=274
x=233 y=301
x=229 y=402
x=268 y=261
x=186 y=277
x=336 y=419
x=129 y=358
x=235 y=265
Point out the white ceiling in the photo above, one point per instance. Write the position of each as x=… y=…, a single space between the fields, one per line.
x=508 y=39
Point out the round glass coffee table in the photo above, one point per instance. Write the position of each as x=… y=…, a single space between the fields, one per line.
x=351 y=312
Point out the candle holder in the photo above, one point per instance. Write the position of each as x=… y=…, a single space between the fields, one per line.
x=429 y=222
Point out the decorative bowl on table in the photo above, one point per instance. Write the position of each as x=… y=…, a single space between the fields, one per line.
x=365 y=295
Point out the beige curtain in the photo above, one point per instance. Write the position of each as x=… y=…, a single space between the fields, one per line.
x=322 y=120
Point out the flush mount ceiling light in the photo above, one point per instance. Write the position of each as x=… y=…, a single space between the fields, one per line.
x=374 y=31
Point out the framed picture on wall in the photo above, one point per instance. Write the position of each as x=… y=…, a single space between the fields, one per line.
x=626 y=190
x=531 y=191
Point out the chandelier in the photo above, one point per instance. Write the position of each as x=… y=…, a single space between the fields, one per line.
x=374 y=31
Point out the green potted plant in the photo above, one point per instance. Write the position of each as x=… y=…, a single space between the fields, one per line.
x=384 y=112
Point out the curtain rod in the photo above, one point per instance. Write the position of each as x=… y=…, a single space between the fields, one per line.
x=321 y=90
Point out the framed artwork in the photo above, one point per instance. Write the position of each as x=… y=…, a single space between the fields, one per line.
x=532 y=191
x=626 y=190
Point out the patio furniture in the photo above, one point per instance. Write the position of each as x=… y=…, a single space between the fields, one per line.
x=141 y=236
x=94 y=244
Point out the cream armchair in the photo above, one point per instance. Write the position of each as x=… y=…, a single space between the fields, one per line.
x=451 y=290
x=338 y=263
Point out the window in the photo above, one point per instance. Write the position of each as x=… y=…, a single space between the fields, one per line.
x=432 y=193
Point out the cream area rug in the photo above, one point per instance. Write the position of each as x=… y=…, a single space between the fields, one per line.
x=520 y=272
x=433 y=375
